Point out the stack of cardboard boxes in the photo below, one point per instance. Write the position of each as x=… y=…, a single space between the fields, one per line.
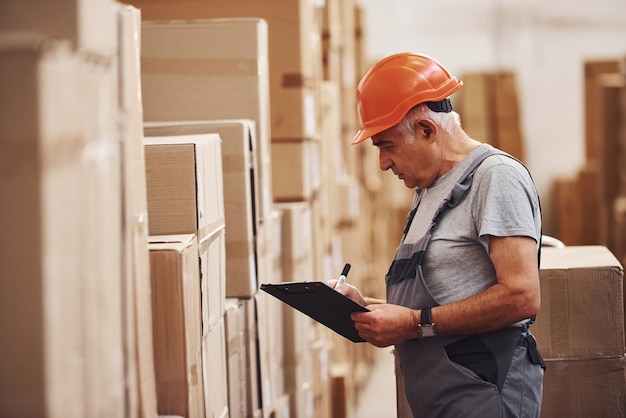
x=203 y=79
x=254 y=75
x=206 y=63
x=580 y=332
x=602 y=206
x=77 y=317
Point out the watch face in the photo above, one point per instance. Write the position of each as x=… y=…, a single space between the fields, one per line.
x=428 y=330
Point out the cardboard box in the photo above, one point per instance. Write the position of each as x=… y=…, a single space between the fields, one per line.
x=185 y=195
x=206 y=70
x=61 y=171
x=215 y=371
x=100 y=223
x=332 y=31
x=321 y=378
x=270 y=346
x=340 y=387
x=298 y=330
x=213 y=278
x=296 y=240
x=282 y=409
x=592 y=206
x=269 y=248
x=241 y=198
x=40 y=175
x=618 y=237
x=185 y=184
x=593 y=71
x=489 y=105
x=251 y=343
x=584 y=388
x=90 y=25
x=582 y=311
x=294 y=53
x=234 y=321
x=139 y=355
x=177 y=325
x=296 y=170
x=569 y=212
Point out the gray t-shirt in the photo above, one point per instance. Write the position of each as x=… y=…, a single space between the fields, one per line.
x=502 y=201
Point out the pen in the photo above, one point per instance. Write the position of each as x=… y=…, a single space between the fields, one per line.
x=344 y=273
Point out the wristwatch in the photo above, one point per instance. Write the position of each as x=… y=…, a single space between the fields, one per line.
x=426 y=328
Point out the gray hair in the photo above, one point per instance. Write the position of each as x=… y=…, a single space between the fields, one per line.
x=448 y=121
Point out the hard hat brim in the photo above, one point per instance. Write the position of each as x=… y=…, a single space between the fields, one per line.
x=365 y=133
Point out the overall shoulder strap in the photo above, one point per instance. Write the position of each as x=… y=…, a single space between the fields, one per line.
x=464 y=182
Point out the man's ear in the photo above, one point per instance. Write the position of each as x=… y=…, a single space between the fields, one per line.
x=426 y=129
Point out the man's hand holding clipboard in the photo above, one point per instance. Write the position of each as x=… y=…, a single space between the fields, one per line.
x=321 y=302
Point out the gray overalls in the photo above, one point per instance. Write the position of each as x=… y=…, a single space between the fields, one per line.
x=496 y=374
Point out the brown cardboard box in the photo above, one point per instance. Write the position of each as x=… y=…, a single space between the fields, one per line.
x=582 y=311
x=212 y=278
x=619 y=232
x=592 y=206
x=351 y=74
x=206 y=70
x=234 y=322
x=275 y=246
x=612 y=151
x=332 y=41
x=296 y=169
x=569 y=224
x=332 y=165
x=282 y=407
x=40 y=175
x=593 y=70
x=271 y=365
x=215 y=371
x=251 y=344
x=321 y=378
x=241 y=197
x=294 y=53
x=139 y=355
x=584 y=388
x=473 y=104
x=185 y=184
x=489 y=110
x=349 y=200
x=177 y=324
x=298 y=331
x=340 y=387
x=89 y=24
x=296 y=242
x=100 y=224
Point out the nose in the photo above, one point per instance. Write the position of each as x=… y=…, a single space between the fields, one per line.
x=384 y=162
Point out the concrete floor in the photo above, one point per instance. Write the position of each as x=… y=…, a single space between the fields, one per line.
x=378 y=398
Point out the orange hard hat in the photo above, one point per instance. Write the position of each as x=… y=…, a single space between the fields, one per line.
x=396 y=84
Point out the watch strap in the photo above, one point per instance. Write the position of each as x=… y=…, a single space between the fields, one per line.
x=426 y=316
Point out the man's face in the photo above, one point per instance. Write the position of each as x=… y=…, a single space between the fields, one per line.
x=415 y=163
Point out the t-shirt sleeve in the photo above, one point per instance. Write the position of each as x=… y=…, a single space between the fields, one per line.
x=507 y=203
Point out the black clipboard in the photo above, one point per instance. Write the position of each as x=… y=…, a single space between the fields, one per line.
x=320 y=302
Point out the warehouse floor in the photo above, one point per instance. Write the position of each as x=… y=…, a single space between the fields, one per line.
x=378 y=397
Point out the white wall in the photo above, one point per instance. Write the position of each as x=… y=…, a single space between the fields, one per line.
x=545 y=43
